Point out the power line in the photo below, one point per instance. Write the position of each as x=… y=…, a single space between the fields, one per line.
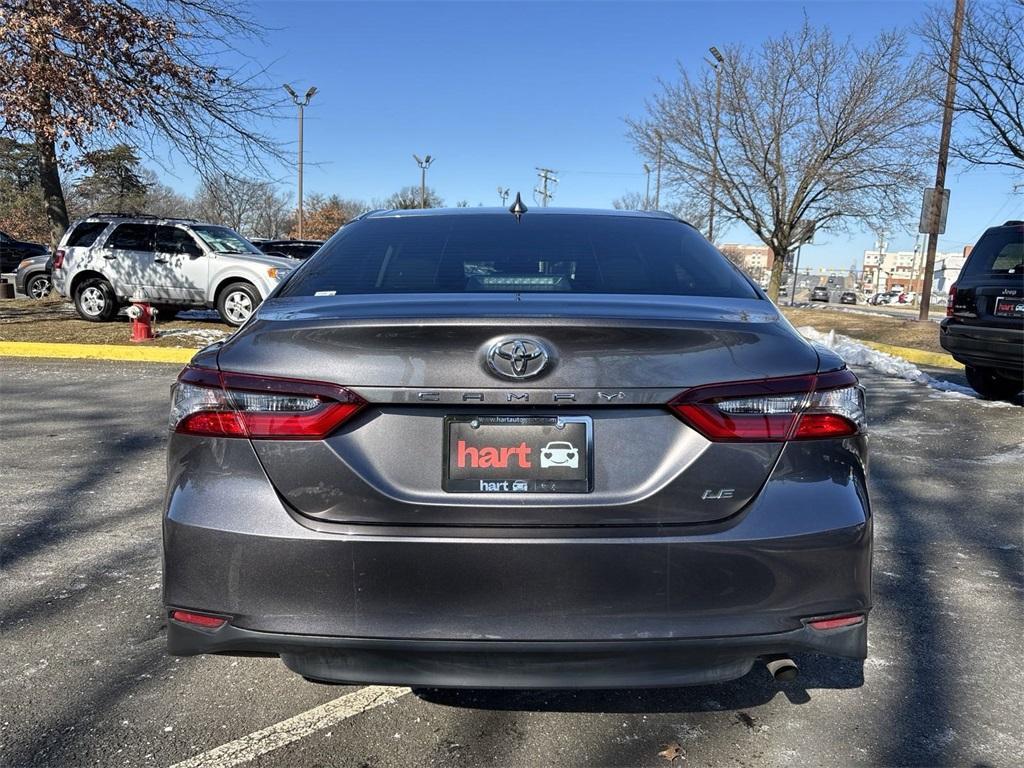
x=545 y=176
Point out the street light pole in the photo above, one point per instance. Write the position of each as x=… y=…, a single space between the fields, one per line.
x=423 y=164
x=719 y=60
x=301 y=104
x=503 y=193
x=657 y=182
x=940 y=170
x=647 y=194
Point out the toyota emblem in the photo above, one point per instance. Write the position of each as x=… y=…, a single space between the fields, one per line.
x=517 y=358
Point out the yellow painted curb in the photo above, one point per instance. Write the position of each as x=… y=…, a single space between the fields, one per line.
x=919 y=356
x=96 y=352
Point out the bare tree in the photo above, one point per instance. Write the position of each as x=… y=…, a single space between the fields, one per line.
x=684 y=208
x=88 y=74
x=249 y=206
x=811 y=130
x=408 y=198
x=161 y=200
x=989 y=102
x=630 y=201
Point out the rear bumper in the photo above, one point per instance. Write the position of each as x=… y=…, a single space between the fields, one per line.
x=505 y=664
x=511 y=607
x=983 y=347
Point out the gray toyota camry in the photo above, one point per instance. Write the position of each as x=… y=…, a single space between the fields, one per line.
x=527 y=448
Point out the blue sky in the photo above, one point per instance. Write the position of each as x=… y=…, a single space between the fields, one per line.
x=493 y=89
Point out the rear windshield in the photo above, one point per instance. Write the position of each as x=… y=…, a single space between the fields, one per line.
x=85 y=233
x=999 y=252
x=481 y=253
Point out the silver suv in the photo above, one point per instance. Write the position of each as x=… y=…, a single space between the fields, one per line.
x=104 y=260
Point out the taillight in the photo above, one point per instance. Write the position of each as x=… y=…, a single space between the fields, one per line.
x=774 y=410
x=203 y=620
x=58 y=258
x=836 y=622
x=951 y=301
x=224 y=404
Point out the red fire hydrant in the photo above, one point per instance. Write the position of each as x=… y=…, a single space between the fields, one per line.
x=143 y=317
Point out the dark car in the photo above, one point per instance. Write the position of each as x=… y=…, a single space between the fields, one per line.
x=12 y=251
x=293 y=249
x=34 y=276
x=819 y=293
x=552 y=449
x=848 y=297
x=984 y=324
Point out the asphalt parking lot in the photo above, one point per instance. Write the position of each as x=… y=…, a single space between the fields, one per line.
x=85 y=679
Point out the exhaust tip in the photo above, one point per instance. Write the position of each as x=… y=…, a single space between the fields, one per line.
x=782 y=668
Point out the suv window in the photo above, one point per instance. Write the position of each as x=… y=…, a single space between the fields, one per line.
x=479 y=253
x=132 y=237
x=85 y=233
x=175 y=240
x=1000 y=251
x=224 y=240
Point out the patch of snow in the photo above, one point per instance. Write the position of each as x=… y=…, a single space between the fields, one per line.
x=204 y=335
x=856 y=353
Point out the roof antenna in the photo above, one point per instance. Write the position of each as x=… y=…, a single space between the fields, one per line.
x=518 y=209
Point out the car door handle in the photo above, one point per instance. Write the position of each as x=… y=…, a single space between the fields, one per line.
x=159 y=261
x=109 y=256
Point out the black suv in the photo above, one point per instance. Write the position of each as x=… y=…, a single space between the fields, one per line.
x=984 y=325
x=293 y=249
x=12 y=251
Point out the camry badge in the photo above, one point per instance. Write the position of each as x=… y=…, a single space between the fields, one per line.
x=517 y=358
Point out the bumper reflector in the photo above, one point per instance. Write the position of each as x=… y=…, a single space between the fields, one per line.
x=198 y=619
x=836 y=622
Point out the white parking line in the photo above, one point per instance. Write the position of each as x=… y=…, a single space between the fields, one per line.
x=294 y=728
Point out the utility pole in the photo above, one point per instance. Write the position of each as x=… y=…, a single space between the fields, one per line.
x=657 y=182
x=503 y=195
x=647 y=194
x=714 y=144
x=796 y=274
x=546 y=175
x=880 y=244
x=940 y=170
x=301 y=104
x=423 y=163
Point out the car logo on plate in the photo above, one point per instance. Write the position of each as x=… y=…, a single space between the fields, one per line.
x=517 y=358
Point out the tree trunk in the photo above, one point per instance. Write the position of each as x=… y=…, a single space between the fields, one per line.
x=53 y=193
x=46 y=147
x=778 y=267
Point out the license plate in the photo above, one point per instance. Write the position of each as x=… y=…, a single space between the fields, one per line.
x=518 y=454
x=1009 y=307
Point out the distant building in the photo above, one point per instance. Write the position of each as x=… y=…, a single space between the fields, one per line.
x=884 y=270
x=947 y=270
x=755 y=260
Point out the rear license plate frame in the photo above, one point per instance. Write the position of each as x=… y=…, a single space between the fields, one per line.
x=514 y=480
x=1011 y=303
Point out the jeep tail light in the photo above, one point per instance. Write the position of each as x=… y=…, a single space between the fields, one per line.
x=58 y=258
x=774 y=410
x=225 y=404
x=951 y=301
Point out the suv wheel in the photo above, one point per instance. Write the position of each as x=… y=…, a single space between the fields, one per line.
x=38 y=286
x=95 y=300
x=237 y=302
x=988 y=383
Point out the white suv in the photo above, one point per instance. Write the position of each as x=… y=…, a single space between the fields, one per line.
x=105 y=260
